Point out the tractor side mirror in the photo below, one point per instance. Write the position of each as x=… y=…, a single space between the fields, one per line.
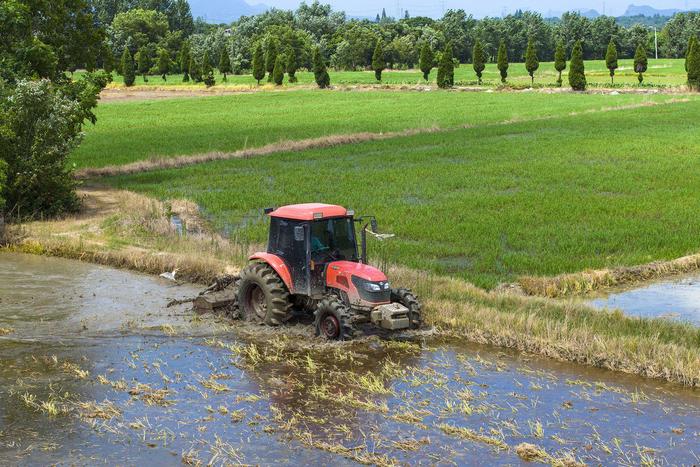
x=299 y=233
x=373 y=225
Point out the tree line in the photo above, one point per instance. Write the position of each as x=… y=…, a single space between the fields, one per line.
x=348 y=44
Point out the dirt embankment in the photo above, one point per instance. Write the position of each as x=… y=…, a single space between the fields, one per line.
x=131 y=231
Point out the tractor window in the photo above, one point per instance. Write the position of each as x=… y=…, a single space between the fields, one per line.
x=333 y=239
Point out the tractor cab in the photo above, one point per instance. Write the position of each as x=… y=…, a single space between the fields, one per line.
x=308 y=237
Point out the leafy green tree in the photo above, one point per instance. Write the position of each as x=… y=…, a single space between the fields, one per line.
x=207 y=71
x=694 y=66
x=185 y=61
x=292 y=65
x=577 y=73
x=560 y=61
x=478 y=59
x=41 y=111
x=127 y=66
x=278 y=71
x=40 y=125
x=640 y=62
x=258 y=63
x=611 y=60
x=426 y=60
x=144 y=62
x=446 y=69
x=195 y=70
x=378 y=61
x=164 y=64
x=531 y=61
x=270 y=57
x=225 y=63
x=503 y=60
x=138 y=27
x=691 y=42
x=321 y=76
x=180 y=17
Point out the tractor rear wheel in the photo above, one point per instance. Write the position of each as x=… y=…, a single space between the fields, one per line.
x=262 y=296
x=409 y=300
x=334 y=320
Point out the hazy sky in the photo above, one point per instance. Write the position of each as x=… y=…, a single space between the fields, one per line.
x=479 y=9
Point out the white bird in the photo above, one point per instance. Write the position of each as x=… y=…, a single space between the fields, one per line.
x=380 y=236
x=170 y=275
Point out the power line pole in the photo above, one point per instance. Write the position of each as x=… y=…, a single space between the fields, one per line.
x=656 y=45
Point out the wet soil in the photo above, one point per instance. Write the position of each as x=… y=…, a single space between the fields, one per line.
x=94 y=368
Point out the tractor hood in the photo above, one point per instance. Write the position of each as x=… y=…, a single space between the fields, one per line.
x=363 y=271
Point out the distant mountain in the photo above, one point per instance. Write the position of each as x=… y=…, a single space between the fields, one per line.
x=646 y=10
x=224 y=11
x=590 y=14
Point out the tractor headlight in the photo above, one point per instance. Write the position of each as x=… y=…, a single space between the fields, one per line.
x=375 y=286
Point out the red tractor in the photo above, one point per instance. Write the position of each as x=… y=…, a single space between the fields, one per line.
x=312 y=262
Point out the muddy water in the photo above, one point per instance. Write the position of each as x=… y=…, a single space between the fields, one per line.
x=95 y=369
x=677 y=299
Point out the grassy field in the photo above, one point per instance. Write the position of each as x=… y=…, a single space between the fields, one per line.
x=661 y=72
x=489 y=203
x=127 y=131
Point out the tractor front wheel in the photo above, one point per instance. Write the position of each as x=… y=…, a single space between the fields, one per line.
x=262 y=296
x=334 y=320
x=410 y=301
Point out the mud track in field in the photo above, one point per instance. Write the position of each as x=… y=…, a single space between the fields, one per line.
x=158 y=163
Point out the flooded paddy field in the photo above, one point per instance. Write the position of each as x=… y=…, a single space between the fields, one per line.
x=95 y=368
x=677 y=298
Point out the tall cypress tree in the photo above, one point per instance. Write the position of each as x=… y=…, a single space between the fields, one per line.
x=278 y=70
x=640 y=62
x=292 y=65
x=503 y=60
x=144 y=63
x=225 y=63
x=446 y=69
x=560 y=60
x=531 y=62
x=107 y=60
x=692 y=41
x=195 y=70
x=185 y=61
x=426 y=60
x=258 y=63
x=577 y=73
x=611 y=60
x=478 y=60
x=270 y=57
x=694 y=66
x=164 y=64
x=127 y=67
x=323 y=80
x=378 y=62
x=208 y=71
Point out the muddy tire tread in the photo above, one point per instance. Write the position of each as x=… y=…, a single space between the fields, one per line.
x=266 y=277
x=348 y=331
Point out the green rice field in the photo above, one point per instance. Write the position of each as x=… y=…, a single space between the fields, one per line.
x=132 y=130
x=487 y=203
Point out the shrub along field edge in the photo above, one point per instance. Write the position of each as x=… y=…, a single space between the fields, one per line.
x=133 y=232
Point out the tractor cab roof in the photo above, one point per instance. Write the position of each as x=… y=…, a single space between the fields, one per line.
x=309 y=211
